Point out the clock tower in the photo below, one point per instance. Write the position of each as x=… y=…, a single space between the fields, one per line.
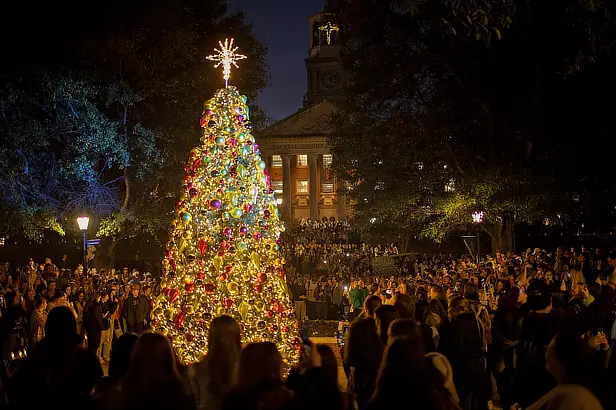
x=326 y=79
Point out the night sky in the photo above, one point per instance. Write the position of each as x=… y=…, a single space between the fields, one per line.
x=283 y=26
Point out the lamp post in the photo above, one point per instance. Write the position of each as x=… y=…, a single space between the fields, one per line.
x=477 y=219
x=83 y=222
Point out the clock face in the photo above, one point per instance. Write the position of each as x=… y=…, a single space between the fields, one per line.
x=330 y=79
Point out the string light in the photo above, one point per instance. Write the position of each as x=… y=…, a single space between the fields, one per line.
x=223 y=257
x=328 y=29
x=226 y=57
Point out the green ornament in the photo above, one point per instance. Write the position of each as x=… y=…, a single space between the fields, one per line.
x=225 y=215
x=236 y=213
x=261 y=164
x=220 y=141
x=241 y=137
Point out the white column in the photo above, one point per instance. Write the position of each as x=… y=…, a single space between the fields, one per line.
x=314 y=200
x=286 y=188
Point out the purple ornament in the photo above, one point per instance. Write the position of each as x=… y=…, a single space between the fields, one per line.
x=257 y=236
x=215 y=204
x=228 y=232
x=243 y=230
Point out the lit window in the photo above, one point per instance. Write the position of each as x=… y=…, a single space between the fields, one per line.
x=327 y=188
x=277 y=186
x=327 y=160
x=302 y=161
x=279 y=201
x=276 y=161
x=302 y=186
x=450 y=186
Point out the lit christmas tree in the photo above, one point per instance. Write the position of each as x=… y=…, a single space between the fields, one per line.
x=223 y=257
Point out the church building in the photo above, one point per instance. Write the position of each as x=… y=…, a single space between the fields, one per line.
x=296 y=147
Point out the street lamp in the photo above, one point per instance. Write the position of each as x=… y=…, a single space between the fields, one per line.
x=478 y=217
x=83 y=222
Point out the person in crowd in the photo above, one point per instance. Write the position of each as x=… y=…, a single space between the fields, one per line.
x=406 y=369
x=298 y=292
x=462 y=344
x=579 y=375
x=216 y=374
x=357 y=295
x=260 y=384
x=93 y=323
x=383 y=316
x=153 y=380
x=107 y=387
x=38 y=320
x=362 y=357
x=135 y=310
x=79 y=307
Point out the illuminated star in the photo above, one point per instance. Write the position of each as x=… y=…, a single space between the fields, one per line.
x=225 y=57
x=328 y=29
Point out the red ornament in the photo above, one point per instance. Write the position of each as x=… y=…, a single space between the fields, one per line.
x=200 y=275
x=203 y=122
x=197 y=163
x=190 y=338
x=178 y=321
x=247 y=208
x=209 y=288
x=278 y=308
x=270 y=314
x=285 y=329
x=258 y=288
x=223 y=277
x=262 y=277
x=266 y=213
x=228 y=269
x=202 y=246
x=228 y=302
x=173 y=295
x=256 y=236
x=274 y=328
x=165 y=291
x=189 y=288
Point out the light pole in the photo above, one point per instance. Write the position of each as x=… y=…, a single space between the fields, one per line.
x=477 y=219
x=83 y=222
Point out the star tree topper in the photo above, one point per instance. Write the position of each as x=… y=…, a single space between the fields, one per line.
x=226 y=56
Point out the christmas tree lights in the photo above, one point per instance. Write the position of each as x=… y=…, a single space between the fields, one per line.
x=223 y=257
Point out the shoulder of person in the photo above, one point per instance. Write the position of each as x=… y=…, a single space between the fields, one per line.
x=568 y=397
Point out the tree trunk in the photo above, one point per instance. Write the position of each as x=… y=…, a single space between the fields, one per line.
x=501 y=234
x=105 y=254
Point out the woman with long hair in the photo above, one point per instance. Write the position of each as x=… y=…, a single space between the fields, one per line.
x=260 y=385
x=153 y=381
x=462 y=342
x=362 y=355
x=214 y=376
x=406 y=370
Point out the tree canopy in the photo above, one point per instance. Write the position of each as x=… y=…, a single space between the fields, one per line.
x=444 y=119
x=101 y=102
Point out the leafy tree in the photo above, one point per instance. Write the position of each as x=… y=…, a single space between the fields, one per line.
x=439 y=125
x=147 y=61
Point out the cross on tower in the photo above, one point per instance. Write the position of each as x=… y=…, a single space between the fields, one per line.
x=328 y=29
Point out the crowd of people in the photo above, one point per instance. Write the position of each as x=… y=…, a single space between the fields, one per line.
x=530 y=330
